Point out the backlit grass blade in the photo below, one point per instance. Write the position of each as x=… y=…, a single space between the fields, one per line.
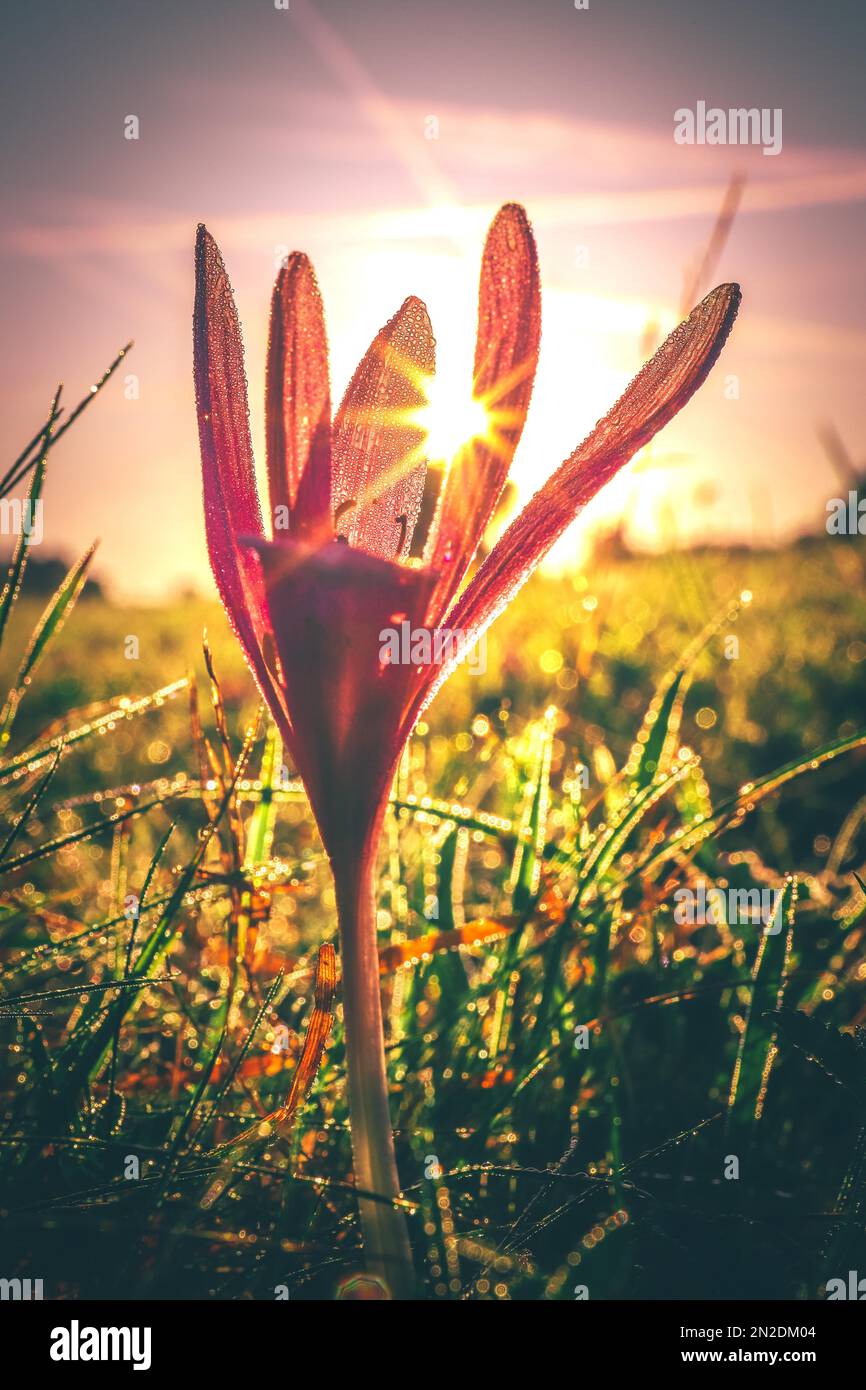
x=76 y=836
x=43 y=957
x=35 y=797
x=757 y=1049
x=450 y=878
x=836 y=1053
x=280 y=1122
x=226 y=1084
x=49 y=625
x=608 y=845
x=260 y=827
x=657 y=739
x=658 y=734
x=188 y=1117
x=526 y=864
x=38 y=439
x=15 y=576
x=732 y=812
x=430 y=808
x=27 y=458
x=130 y=947
x=88 y=1058
x=38 y=755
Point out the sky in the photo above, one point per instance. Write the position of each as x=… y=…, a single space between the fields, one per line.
x=380 y=136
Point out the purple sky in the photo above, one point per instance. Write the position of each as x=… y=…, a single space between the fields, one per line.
x=309 y=127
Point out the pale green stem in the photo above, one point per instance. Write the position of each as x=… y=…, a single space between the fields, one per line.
x=386 y=1238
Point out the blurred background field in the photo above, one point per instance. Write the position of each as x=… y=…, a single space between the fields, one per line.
x=594 y=643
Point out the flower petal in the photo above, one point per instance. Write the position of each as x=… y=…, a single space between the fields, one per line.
x=333 y=607
x=657 y=393
x=231 y=502
x=506 y=355
x=378 y=467
x=298 y=401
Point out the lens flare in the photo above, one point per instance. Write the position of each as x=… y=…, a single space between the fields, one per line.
x=450 y=418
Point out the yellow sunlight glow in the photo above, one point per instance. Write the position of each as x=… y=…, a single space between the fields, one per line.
x=450 y=418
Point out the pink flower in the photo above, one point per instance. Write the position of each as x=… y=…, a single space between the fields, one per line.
x=309 y=606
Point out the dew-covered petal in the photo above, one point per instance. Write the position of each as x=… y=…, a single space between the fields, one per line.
x=333 y=607
x=231 y=503
x=506 y=355
x=657 y=393
x=298 y=403
x=378 y=470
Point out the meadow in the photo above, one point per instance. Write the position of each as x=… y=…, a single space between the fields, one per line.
x=590 y=1098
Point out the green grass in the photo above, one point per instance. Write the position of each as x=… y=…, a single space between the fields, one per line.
x=534 y=1165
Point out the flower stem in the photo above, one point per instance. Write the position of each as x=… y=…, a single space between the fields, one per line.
x=386 y=1238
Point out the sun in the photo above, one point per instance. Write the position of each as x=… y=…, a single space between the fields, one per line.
x=451 y=418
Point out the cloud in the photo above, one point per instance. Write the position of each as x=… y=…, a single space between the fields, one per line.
x=570 y=171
